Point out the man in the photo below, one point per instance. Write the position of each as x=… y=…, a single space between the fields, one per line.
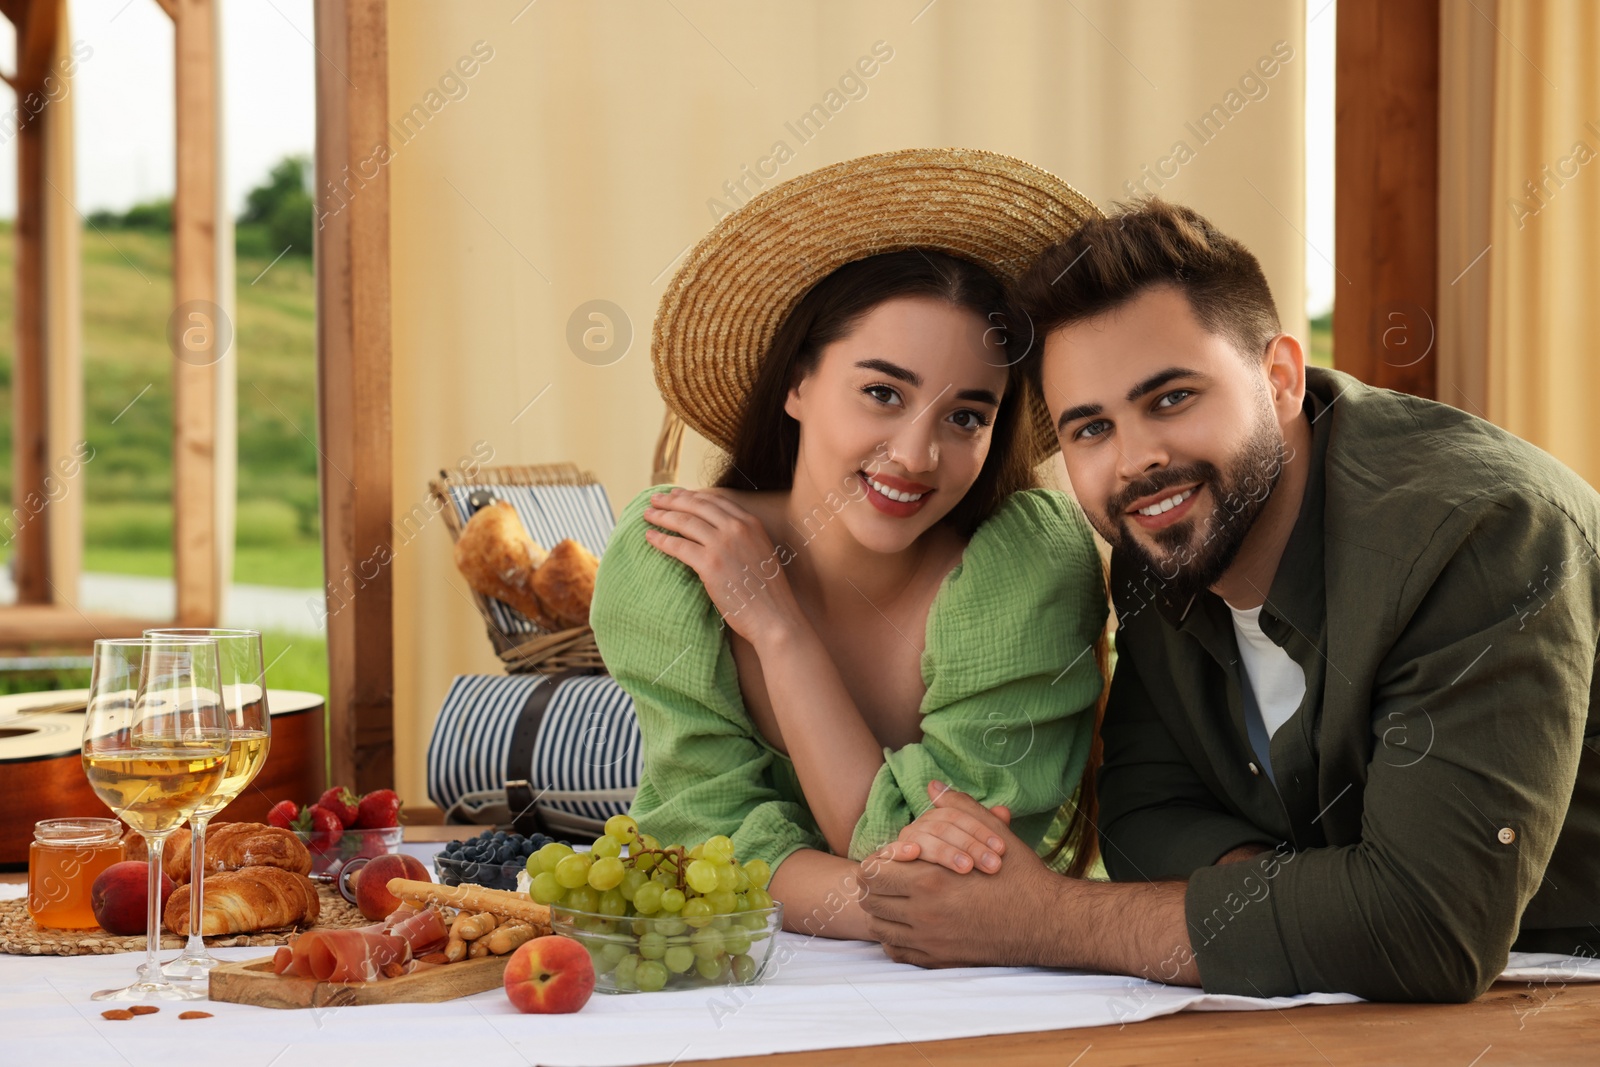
x=1351 y=742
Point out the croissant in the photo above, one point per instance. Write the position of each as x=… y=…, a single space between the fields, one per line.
x=564 y=584
x=497 y=557
x=229 y=846
x=247 y=900
x=233 y=845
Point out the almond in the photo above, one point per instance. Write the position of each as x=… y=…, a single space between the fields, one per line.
x=144 y=1009
x=195 y=1015
x=116 y=1013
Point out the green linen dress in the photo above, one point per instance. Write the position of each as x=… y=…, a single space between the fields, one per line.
x=1008 y=662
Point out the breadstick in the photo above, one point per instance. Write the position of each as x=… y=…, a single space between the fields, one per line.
x=508 y=936
x=471 y=927
x=472 y=898
x=478 y=949
x=455 y=950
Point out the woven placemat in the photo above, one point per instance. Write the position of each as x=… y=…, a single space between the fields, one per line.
x=20 y=937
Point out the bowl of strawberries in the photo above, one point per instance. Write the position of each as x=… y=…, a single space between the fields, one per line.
x=342 y=826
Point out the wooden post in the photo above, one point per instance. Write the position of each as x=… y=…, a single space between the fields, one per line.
x=1386 y=163
x=353 y=352
x=28 y=522
x=199 y=334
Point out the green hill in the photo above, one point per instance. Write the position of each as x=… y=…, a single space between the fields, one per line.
x=127 y=296
x=127 y=293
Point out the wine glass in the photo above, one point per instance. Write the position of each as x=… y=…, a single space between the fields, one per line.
x=155 y=745
x=244 y=694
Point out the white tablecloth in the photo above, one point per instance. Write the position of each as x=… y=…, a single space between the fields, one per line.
x=825 y=994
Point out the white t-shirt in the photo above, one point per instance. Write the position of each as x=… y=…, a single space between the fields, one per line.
x=1275 y=678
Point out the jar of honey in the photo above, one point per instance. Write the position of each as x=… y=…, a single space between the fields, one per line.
x=66 y=856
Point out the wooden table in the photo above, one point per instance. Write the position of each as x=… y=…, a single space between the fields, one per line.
x=1512 y=1023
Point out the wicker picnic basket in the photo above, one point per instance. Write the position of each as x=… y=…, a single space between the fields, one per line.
x=563 y=650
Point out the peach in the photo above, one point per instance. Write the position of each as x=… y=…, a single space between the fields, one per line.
x=549 y=975
x=371 y=882
x=119 y=896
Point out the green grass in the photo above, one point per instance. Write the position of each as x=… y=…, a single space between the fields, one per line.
x=127 y=294
x=1321 y=353
x=293 y=661
x=296 y=661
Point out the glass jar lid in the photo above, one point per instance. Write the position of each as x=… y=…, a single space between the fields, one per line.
x=77 y=832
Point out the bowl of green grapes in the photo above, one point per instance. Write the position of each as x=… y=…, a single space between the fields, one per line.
x=656 y=916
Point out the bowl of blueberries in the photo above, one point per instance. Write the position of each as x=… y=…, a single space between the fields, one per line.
x=493 y=859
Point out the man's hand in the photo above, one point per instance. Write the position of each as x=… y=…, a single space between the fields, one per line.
x=933 y=917
x=1024 y=914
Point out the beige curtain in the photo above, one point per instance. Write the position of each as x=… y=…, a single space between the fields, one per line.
x=547 y=156
x=1520 y=185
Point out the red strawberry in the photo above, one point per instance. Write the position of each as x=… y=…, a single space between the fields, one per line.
x=326 y=827
x=283 y=814
x=342 y=803
x=379 y=809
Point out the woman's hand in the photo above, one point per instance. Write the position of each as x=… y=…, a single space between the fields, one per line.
x=735 y=558
x=959 y=839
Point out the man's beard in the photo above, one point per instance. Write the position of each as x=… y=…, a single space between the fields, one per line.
x=1198 y=552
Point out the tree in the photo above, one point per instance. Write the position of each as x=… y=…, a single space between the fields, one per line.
x=282 y=208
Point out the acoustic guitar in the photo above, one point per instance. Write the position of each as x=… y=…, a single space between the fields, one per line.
x=41 y=764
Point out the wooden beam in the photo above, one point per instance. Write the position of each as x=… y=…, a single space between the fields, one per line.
x=353 y=417
x=36 y=42
x=1386 y=162
x=28 y=525
x=199 y=329
x=61 y=626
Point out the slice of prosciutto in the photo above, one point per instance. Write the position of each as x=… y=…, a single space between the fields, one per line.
x=341 y=955
x=360 y=955
x=423 y=931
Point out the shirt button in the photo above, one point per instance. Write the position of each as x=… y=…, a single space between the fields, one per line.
x=1506 y=835
x=1257 y=772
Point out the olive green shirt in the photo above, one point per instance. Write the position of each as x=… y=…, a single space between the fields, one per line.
x=1437 y=795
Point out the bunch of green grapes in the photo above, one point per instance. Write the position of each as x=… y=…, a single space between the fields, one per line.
x=660 y=911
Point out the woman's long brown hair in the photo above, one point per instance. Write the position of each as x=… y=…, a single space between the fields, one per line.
x=1082 y=836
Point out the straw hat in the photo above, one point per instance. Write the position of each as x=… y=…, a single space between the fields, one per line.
x=718 y=316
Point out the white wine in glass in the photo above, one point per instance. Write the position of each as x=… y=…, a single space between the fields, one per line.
x=244 y=693
x=155 y=747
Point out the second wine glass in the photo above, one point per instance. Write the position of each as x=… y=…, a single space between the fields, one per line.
x=155 y=744
x=244 y=696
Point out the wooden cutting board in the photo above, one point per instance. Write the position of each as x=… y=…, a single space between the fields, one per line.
x=252 y=982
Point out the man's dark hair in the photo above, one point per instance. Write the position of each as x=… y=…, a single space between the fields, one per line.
x=1107 y=262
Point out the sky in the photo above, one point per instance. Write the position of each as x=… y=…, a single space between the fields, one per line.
x=123 y=98
x=1320 y=16
x=124 y=108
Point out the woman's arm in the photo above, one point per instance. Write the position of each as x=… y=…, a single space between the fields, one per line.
x=704 y=772
x=834 y=753
x=821 y=895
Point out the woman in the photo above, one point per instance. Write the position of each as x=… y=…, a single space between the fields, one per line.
x=873 y=597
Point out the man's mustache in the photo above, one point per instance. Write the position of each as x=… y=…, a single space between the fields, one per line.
x=1170 y=478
